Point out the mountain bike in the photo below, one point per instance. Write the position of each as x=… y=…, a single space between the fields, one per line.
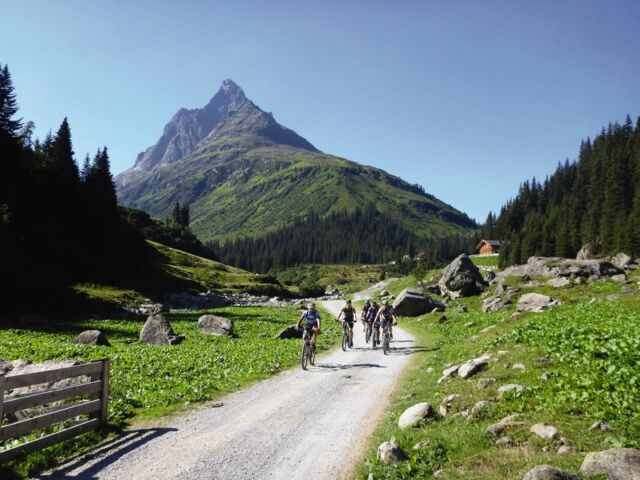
x=375 y=340
x=368 y=332
x=386 y=339
x=308 y=354
x=345 y=337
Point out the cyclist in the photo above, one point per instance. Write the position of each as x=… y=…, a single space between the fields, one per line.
x=311 y=319
x=372 y=313
x=387 y=317
x=349 y=313
x=363 y=315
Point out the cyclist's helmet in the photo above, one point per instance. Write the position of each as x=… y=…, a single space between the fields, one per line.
x=311 y=306
x=348 y=302
x=367 y=302
x=385 y=303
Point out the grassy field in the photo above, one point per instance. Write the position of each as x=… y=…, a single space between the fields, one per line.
x=349 y=278
x=485 y=260
x=594 y=351
x=150 y=381
x=178 y=271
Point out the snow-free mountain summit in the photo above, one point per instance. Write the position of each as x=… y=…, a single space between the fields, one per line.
x=245 y=174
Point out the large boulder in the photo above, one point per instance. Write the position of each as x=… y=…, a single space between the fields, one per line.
x=461 y=278
x=414 y=415
x=554 y=267
x=214 y=325
x=615 y=464
x=622 y=260
x=157 y=331
x=92 y=337
x=534 y=302
x=547 y=472
x=289 y=332
x=411 y=303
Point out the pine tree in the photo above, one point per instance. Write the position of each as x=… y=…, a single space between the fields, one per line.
x=8 y=104
x=62 y=156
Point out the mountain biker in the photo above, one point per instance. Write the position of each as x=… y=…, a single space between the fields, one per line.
x=371 y=316
x=363 y=315
x=311 y=319
x=349 y=313
x=387 y=317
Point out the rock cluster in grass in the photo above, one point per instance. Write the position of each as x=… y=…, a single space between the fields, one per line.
x=547 y=472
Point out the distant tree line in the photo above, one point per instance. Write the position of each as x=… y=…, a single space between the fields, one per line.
x=593 y=199
x=362 y=236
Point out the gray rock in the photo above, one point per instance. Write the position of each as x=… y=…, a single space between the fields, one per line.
x=615 y=464
x=544 y=377
x=505 y=424
x=487 y=329
x=565 y=450
x=469 y=324
x=534 y=302
x=479 y=408
x=214 y=325
x=559 y=282
x=448 y=373
x=587 y=252
x=547 y=472
x=600 y=425
x=92 y=337
x=473 y=366
x=613 y=297
x=439 y=473
x=157 y=331
x=422 y=444
x=553 y=267
x=545 y=431
x=414 y=415
x=504 y=442
x=289 y=332
x=461 y=278
x=519 y=366
x=620 y=278
x=485 y=383
x=390 y=453
x=445 y=406
x=511 y=387
x=622 y=260
x=411 y=303
x=462 y=309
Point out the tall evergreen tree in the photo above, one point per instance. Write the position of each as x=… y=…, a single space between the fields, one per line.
x=8 y=104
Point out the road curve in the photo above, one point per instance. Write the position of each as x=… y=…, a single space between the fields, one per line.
x=297 y=425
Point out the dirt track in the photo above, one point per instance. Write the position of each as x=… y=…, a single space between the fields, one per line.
x=298 y=425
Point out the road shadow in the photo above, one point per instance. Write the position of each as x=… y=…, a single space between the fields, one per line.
x=410 y=350
x=334 y=367
x=104 y=455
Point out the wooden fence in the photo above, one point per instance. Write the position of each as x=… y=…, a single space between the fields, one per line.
x=96 y=406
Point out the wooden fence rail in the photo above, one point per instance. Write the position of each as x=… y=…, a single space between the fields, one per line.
x=96 y=407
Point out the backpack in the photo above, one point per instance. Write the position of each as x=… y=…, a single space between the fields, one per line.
x=311 y=318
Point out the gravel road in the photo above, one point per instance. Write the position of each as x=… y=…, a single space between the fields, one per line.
x=297 y=425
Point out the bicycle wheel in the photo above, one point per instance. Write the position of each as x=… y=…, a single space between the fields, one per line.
x=312 y=355
x=304 y=357
x=385 y=343
x=367 y=335
x=374 y=340
x=345 y=340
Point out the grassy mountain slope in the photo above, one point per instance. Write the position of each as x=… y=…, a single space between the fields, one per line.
x=244 y=191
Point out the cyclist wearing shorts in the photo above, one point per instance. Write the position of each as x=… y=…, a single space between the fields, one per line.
x=386 y=317
x=349 y=313
x=311 y=319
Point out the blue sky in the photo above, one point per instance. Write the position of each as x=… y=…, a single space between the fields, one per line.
x=467 y=98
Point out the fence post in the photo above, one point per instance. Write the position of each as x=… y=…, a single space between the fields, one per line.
x=3 y=381
x=104 y=404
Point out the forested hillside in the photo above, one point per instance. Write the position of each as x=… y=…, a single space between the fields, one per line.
x=364 y=236
x=593 y=199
